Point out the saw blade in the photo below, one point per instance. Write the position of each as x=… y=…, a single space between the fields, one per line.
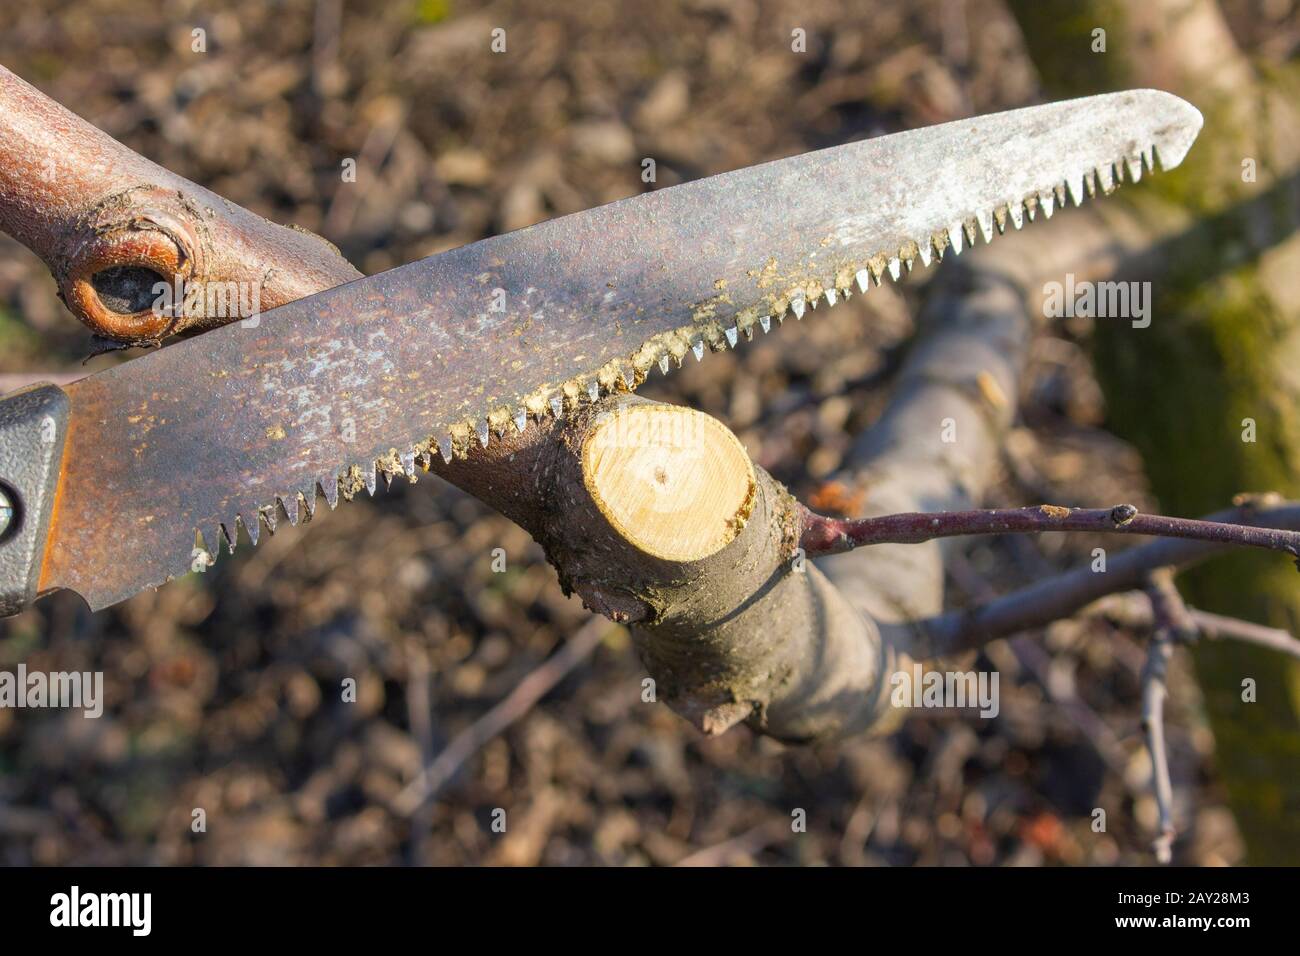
x=243 y=427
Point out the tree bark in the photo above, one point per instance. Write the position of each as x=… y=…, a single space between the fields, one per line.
x=110 y=224
x=1223 y=346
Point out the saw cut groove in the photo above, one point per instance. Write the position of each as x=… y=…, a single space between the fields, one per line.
x=672 y=481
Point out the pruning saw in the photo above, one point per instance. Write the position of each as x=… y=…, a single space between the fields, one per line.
x=132 y=476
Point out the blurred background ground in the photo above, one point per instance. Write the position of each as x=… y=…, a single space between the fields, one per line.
x=223 y=689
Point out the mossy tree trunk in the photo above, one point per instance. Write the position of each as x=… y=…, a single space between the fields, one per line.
x=1222 y=350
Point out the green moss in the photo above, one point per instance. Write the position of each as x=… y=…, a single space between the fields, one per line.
x=1065 y=28
x=1179 y=391
x=432 y=11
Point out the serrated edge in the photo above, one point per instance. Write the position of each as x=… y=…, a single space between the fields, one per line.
x=669 y=348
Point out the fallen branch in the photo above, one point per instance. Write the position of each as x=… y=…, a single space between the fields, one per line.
x=511 y=708
x=745 y=845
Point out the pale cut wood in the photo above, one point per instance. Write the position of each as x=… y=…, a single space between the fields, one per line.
x=672 y=481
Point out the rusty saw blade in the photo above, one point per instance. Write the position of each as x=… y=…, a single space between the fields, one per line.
x=247 y=423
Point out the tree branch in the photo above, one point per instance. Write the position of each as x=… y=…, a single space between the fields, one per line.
x=822 y=535
x=109 y=223
x=1064 y=595
x=1168 y=611
x=1154 y=692
x=1219 y=627
x=1173 y=623
x=1213 y=627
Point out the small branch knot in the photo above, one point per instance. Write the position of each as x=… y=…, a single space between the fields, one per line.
x=1122 y=514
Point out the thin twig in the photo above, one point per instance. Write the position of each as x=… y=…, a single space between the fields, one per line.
x=1168 y=611
x=1155 y=690
x=1217 y=627
x=1038 y=663
x=824 y=535
x=1137 y=614
x=1059 y=597
x=748 y=843
x=512 y=707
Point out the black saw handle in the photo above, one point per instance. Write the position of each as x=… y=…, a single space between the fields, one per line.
x=33 y=426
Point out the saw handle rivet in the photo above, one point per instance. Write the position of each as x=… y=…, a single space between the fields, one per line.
x=8 y=512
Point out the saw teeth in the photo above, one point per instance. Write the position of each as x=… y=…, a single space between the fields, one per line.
x=201 y=546
x=1075 y=188
x=371 y=480
x=330 y=487
x=309 y=504
x=289 y=508
x=954 y=238
x=268 y=518
x=408 y=465
x=255 y=529
x=228 y=536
